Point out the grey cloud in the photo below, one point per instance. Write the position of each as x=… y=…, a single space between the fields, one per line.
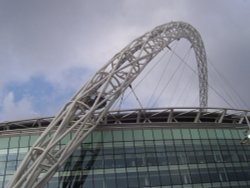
x=51 y=37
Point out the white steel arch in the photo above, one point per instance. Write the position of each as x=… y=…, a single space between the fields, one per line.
x=92 y=102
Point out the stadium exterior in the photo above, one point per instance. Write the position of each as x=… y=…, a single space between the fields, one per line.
x=172 y=147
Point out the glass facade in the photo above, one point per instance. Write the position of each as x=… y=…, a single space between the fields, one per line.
x=146 y=157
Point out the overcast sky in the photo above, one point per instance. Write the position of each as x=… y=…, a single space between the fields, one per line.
x=49 y=48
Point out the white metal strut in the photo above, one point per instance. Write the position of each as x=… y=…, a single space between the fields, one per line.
x=92 y=102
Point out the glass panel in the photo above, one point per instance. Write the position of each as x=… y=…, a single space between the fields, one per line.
x=24 y=141
x=4 y=142
x=14 y=141
x=186 y=156
x=159 y=146
x=195 y=133
x=12 y=155
x=157 y=134
x=33 y=138
x=110 y=181
x=138 y=135
x=197 y=145
x=241 y=134
x=179 y=146
x=219 y=133
x=172 y=158
x=185 y=176
x=165 y=178
x=133 y=180
x=97 y=136
x=203 y=134
x=107 y=136
x=87 y=139
x=227 y=134
x=167 y=134
x=211 y=134
x=185 y=134
x=235 y=134
x=2 y=168
x=128 y=135
x=195 y=176
x=117 y=136
x=122 y=181
x=176 y=133
x=154 y=179
x=22 y=152
x=214 y=175
x=175 y=177
x=3 y=154
x=204 y=175
x=148 y=135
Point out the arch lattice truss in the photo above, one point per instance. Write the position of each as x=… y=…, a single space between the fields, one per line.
x=88 y=107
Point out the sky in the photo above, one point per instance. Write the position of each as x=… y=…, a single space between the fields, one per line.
x=50 y=48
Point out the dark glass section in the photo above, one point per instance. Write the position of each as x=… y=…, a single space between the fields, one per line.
x=144 y=158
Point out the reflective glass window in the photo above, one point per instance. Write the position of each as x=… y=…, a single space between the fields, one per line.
x=107 y=136
x=24 y=141
x=203 y=134
x=195 y=176
x=204 y=173
x=176 y=133
x=144 y=158
x=154 y=179
x=167 y=134
x=138 y=135
x=97 y=136
x=241 y=133
x=4 y=142
x=211 y=134
x=185 y=134
x=185 y=176
x=175 y=177
x=117 y=136
x=157 y=133
x=32 y=140
x=133 y=180
x=194 y=133
x=165 y=178
x=227 y=134
x=128 y=135
x=219 y=133
x=122 y=180
x=235 y=134
x=110 y=181
x=14 y=142
x=148 y=134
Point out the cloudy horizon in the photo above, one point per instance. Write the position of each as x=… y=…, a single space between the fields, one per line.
x=48 y=49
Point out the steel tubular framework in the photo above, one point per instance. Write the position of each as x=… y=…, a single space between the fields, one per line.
x=92 y=102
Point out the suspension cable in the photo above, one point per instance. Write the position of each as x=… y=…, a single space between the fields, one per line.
x=180 y=77
x=137 y=99
x=124 y=97
x=223 y=78
x=162 y=74
x=149 y=71
x=208 y=83
x=187 y=87
x=172 y=76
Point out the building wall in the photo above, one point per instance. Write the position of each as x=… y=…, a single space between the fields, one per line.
x=144 y=157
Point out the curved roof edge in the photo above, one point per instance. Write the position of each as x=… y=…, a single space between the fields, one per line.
x=237 y=118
